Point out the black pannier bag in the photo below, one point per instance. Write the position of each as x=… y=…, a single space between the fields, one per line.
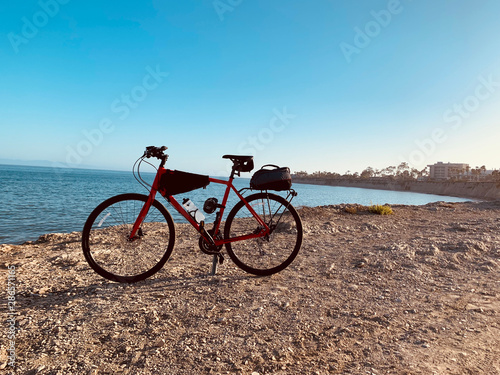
x=271 y=179
x=176 y=182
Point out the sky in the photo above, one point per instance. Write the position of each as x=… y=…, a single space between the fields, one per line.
x=327 y=85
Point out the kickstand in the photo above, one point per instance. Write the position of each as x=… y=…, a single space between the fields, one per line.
x=214 y=265
x=218 y=259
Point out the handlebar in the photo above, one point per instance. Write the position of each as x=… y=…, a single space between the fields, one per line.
x=156 y=152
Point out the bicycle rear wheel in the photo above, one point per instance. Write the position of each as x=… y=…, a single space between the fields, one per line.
x=106 y=244
x=269 y=254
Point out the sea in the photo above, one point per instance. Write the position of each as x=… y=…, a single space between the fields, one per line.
x=40 y=200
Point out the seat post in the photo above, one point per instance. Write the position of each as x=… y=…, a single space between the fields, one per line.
x=235 y=169
x=233 y=172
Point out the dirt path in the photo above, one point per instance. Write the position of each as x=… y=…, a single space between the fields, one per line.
x=416 y=292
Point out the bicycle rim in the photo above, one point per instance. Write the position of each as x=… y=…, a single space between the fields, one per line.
x=106 y=243
x=269 y=254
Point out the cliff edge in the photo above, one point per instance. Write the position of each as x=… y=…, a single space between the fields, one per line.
x=466 y=189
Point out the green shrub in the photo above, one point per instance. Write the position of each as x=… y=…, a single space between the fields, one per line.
x=381 y=210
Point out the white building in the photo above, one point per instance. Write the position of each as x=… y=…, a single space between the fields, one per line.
x=444 y=171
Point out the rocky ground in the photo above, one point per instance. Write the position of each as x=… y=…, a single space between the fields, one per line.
x=416 y=292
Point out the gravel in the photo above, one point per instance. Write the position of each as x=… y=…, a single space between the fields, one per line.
x=416 y=292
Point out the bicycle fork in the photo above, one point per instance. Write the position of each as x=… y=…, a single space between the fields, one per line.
x=136 y=232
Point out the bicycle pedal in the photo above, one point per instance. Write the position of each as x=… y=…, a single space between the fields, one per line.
x=221 y=258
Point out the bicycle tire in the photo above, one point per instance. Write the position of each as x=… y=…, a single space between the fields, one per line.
x=106 y=245
x=264 y=256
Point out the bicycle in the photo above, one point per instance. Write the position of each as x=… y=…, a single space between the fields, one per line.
x=129 y=237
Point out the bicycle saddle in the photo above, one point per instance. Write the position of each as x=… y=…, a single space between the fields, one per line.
x=240 y=158
x=242 y=163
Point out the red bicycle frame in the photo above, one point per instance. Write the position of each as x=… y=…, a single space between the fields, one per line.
x=200 y=227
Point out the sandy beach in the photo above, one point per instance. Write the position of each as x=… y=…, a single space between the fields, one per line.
x=416 y=292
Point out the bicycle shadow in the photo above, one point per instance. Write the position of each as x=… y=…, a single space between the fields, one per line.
x=158 y=286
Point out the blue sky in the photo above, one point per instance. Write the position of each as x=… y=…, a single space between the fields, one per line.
x=323 y=85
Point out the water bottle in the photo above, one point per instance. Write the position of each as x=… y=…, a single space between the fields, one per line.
x=193 y=210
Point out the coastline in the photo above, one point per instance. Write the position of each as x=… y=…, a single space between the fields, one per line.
x=489 y=190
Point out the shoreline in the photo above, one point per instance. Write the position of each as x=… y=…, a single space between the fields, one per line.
x=186 y=227
x=489 y=190
x=26 y=240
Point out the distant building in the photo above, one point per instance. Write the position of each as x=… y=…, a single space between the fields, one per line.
x=444 y=171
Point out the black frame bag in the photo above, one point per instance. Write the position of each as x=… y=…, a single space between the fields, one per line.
x=278 y=178
x=176 y=182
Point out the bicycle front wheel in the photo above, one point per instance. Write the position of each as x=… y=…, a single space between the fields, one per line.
x=269 y=254
x=107 y=246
